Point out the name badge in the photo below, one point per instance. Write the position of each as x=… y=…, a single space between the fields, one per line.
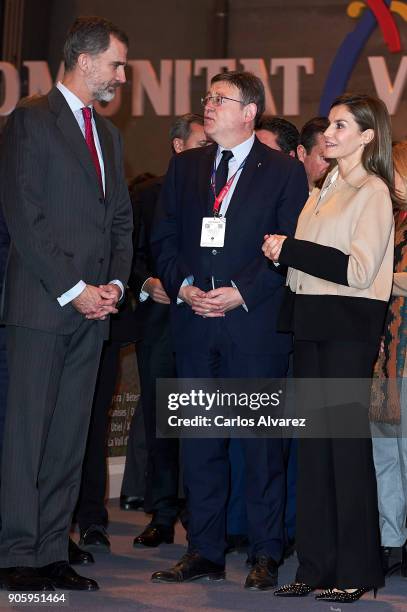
x=213 y=232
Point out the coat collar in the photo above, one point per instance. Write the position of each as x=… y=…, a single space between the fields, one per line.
x=71 y=131
x=356 y=177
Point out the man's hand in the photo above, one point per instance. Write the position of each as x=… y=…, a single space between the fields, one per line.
x=92 y=303
x=111 y=293
x=221 y=300
x=197 y=299
x=272 y=246
x=155 y=289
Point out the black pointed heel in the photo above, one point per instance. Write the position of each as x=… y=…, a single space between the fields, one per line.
x=296 y=589
x=343 y=596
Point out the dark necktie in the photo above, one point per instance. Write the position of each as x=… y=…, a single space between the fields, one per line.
x=222 y=170
x=90 y=141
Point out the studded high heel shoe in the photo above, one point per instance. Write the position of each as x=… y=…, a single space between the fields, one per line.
x=343 y=596
x=296 y=589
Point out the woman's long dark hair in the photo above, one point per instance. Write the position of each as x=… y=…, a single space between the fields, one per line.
x=400 y=166
x=371 y=113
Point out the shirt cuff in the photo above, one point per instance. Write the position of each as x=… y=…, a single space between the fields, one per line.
x=143 y=295
x=189 y=280
x=73 y=293
x=243 y=305
x=120 y=285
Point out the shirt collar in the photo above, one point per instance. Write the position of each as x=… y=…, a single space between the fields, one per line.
x=74 y=103
x=241 y=151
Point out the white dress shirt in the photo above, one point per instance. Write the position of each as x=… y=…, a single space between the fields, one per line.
x=239 y=156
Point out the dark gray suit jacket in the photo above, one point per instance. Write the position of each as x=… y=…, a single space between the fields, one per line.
x=62 y=229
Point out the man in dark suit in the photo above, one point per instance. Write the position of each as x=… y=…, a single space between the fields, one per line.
x=68 y=212
x=225 y=325
x=155 y=353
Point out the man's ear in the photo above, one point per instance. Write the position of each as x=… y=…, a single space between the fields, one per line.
x=301 y=153
x=250 y=112
x=83 y=62
x=178 y=145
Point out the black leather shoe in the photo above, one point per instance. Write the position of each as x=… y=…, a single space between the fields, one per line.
x=236 y=543
x=263 y=575
x=78 y=556
x=27 y=579
x=191 y=567
x=130 y=502
x=95 y=539
x=154 y=535
x=62 y=576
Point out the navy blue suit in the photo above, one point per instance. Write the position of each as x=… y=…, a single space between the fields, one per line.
x=268 y=198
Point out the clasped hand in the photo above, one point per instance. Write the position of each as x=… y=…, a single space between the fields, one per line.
x=272 y=246
x=213 y=303
x=98 y=302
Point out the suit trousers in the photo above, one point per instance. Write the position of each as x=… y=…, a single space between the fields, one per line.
x=206 y=465
x=390 y=458
x=156 y=360
x=337 y=538
x=134 y=477
x=90 y=509
x=52 y=380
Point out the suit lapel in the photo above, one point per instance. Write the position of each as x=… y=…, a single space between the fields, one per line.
x=245 y=187
x=106 y=144
x=72 y=134
x=204 y=178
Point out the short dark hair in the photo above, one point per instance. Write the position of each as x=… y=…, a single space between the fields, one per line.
x=286 y=132
x=181 y=128
x=89 y=35
x=313 y=127
x=250 y=86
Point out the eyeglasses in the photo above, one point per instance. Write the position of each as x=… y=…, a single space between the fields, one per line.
x=217 y=100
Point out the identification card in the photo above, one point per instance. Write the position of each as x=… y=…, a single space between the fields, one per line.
x=213 y=232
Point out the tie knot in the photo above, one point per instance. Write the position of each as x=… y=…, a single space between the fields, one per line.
x=87 y=114
x=226 y=155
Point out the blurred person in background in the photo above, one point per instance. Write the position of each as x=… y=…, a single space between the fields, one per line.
x=278 y=134
x=311 y=150
x=389 y=411
x=155 y=353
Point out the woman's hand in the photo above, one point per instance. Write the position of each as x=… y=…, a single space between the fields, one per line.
x=272 y=246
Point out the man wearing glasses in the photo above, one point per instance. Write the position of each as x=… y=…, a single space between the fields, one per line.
x=216 y=206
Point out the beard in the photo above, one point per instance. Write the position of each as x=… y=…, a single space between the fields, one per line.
x=102 y=91
x=105 y=92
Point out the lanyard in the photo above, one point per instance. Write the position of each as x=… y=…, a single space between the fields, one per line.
x=225 y=189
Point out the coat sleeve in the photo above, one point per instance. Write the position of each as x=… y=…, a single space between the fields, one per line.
x=359 y=267
x=24 y=161
x=165 y=239
x=260 y=278
x=122 y=227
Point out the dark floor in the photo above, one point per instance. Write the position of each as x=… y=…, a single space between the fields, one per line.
x=124 y=580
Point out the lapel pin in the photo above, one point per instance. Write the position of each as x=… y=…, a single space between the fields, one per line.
x=259 y=164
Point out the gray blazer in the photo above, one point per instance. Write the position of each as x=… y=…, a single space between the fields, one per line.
x=62 y=229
